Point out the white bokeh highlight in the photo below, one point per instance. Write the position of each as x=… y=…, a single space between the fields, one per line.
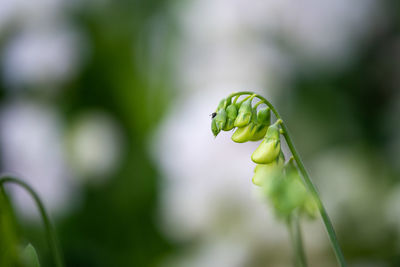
x=32 y=149
x=41 y=57
x=95 y=144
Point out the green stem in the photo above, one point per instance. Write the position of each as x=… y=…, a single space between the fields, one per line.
x=296 y=238
x=258 y=103
x=236 y=98
x=50 y=233
x=244 y=99
x=309 y=184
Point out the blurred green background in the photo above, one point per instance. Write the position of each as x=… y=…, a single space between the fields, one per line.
x=104 y=109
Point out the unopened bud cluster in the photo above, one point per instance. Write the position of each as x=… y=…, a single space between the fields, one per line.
x=280 y=181
x=251 y=125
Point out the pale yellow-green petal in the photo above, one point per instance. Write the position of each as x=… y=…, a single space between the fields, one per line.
x=244 y=114
x=258 y=132
x=267 y=151
x=242 y=134
x=242 y=119
x=265 y=173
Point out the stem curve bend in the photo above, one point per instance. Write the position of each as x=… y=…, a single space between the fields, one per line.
x=50 y=232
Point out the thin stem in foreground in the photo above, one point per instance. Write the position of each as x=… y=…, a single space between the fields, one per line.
x=306 y=178
x=297 y=241
x=50 y=233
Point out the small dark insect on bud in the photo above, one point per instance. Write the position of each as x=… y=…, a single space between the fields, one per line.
x=213 y=115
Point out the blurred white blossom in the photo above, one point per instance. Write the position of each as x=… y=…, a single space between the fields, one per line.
x=221 y=253
x=95 y=144
x=32 y=148
x=30 y=12
x=244 y=45
x=41 y=57
x=350 y=185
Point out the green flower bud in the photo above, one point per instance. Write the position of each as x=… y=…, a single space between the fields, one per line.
x=258 y=132
x=29 y=257
x=261 y=120
x=223 y=103
x=231 y=112
x=310 y=208
x=265 y=173
x=242 y=134
x=229 y=125
x=293 y=195
x=299 y=196
x=244 y=114
x=237 y=105
x=220 y=119
x=214 y=128
x=266 y=152
x=264 y=116
x=273 y=131
x=290 y=168
x=269 y=148
x=286 y=193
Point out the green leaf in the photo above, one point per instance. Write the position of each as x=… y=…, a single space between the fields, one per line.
x=8 y=233
x=29 y=257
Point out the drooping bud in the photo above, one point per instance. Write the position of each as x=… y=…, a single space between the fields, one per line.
x=242 y=134
x=258 y=132
x=244 y=115
x=293 y=195
x=290 y=168
x=264 y=173
x=300 y=197
x=231 y=112
x=262 y=120
x=266 y=152
x=269 y=148
x=214 y=128
x=220 y=119
x=29 y=256
x=310 y=208
x=273 y=131
x=223 y=103
x=264 y=116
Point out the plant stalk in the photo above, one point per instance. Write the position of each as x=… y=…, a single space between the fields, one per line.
x=297 y=241
x=307 y=180
x=50 y=232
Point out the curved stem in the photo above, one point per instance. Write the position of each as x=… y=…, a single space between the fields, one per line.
x=50 y=233
x=296 y=238
x=236 y=98
x=258 y=103
x=244 y=99
x=309 y=184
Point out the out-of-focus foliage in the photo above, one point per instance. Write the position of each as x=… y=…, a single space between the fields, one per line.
x=8 y=233
x=125 y=74
x=30 y=257
x=115 y=225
